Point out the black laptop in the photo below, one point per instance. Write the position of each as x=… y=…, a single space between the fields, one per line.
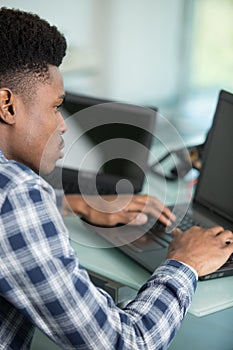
x=212 y=203
x=122 y=133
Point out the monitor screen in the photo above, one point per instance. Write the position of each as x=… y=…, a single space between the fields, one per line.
x=215 y=186
x=108 y=139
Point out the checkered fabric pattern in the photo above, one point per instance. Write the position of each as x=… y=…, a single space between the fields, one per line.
x=42 y=283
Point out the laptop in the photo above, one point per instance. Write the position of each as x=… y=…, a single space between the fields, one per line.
x=212 y=203
x=115 y=136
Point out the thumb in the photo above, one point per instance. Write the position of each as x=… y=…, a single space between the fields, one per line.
x=136 y=218
x=177 y=231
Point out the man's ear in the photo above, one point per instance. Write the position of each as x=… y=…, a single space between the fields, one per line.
x=7 y=106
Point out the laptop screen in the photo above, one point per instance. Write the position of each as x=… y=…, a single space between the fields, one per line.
x=215 y=185
x=110 y=140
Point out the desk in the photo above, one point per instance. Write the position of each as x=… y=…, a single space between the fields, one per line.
x=210 y=332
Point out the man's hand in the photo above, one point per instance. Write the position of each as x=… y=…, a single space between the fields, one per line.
x=110 y=210
x=204 y=249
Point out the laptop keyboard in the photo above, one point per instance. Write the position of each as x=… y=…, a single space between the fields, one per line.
x=187 y=222
x=157 y=236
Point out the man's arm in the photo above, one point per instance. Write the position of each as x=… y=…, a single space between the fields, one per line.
x=45 y=282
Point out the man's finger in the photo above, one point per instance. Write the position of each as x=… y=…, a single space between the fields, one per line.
x=177 y=231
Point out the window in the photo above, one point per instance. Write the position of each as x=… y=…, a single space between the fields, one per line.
x=212 y=58
x=208 y=64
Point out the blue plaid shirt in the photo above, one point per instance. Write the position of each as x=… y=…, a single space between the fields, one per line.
x=42 y=283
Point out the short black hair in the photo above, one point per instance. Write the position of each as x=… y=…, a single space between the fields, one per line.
x=28 y=45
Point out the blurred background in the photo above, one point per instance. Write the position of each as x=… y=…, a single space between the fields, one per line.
x=173 y=54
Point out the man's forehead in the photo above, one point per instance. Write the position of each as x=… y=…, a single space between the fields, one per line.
x=54 y=85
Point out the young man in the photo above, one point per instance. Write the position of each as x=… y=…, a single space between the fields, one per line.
x=41 y=281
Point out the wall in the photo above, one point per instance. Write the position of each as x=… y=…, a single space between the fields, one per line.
x=125 y=49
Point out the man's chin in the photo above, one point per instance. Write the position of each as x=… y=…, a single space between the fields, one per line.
x=47 y=169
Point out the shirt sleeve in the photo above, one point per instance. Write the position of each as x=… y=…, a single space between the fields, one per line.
x=194 y=271
x=48 y=285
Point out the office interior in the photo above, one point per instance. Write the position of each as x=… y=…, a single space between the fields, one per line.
x=175 y=55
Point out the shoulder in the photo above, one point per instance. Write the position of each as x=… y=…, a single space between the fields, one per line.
x=13 y=173
x=15 y=176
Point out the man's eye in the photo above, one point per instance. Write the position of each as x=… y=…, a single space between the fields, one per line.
x=58 y=107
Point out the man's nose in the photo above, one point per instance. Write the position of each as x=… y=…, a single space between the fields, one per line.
x=62 y=125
